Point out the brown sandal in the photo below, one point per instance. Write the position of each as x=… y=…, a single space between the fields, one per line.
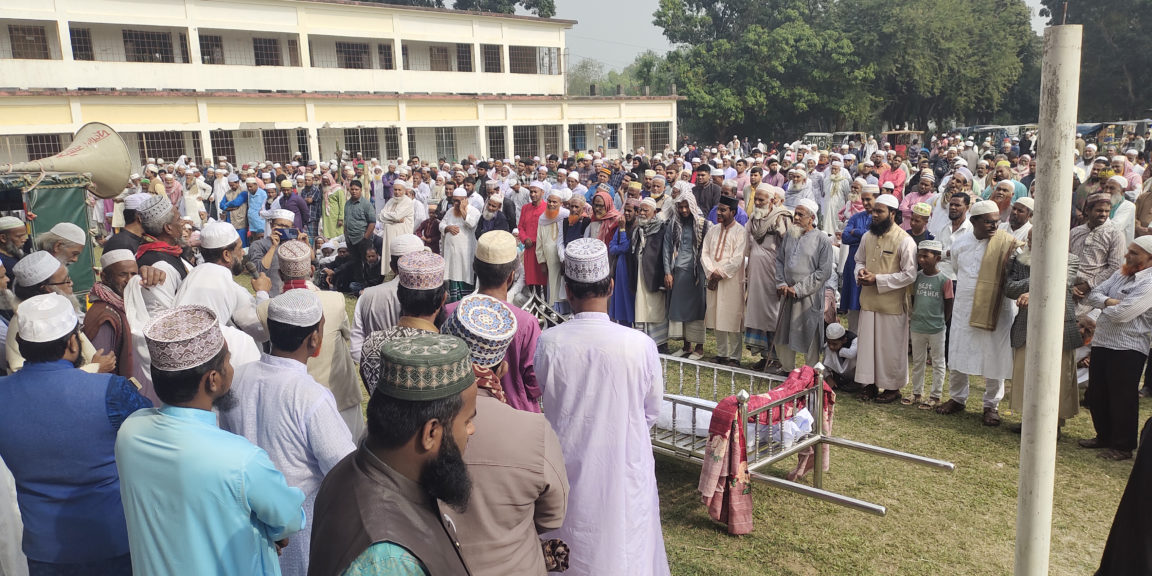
x=931 y=404
x=991 y=417
x=888 y=397
x=1115 y=455
x=950 y=407
x=910 y=400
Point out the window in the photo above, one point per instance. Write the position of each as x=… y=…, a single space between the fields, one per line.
x=463 y=57
x=211 y=49
x=267 y=51
x=613 y=136
x=293 y=52
x=29 y=42
x=412 y=141
x=446 y=143
x=276 y=145
x=496 y=145
x=438 y=55
x=223 y=144
x=577 y=137
x=42 y=145
x=183 y=46
x=352 y=55
x=363 y=140
x=549 y=61
x=552 y=139
x=169 y=145
x=525 y=141
x=658 y=136
x=522 y=59
x=142 y=46
x=81 y=44
x=302 y=145
x=493 y=57
x=384 y=52
x=391 y=143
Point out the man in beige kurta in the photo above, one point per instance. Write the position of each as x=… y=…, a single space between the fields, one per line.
x=723 y=261
x=885 y=268
x=396 y=218
x=548 y=237
x=651 y=299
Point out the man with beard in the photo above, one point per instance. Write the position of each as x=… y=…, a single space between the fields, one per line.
x=1120 y=346
x=234 y=205
x=314 y=196
x=224 y=506
x=885 y=268
x=659 y=185
x=378 y=307
x=1019 y=223
x=211 y=284
x=979 y=341
x=520 y=488
x=684 y=278
x=709 y=190
x=549 y=237
x=1002 y=196
x=397 y=218
x=383 y=509
x=262 y=252
x=163 y=253
x=622 y=304
x=803 y=264
x=603 y=385
x=728 y=190
x=1123 y=212
x=1088 y=188
x=1099 y=245
x=854 y=231
x=958 y=224
x=65 y=471
x=131 y=235
x=867 y=171
x=775 y=177
x=493 y=217
x=458 y=227
x=722 y=258
x=287 y=413
x=13 y=236
x=799 y=188
x=65 y=241
x=422 y=294
x=766 y=229
x=924 y=190
x=648 y=252
x=1003 y=173
x=106 y=323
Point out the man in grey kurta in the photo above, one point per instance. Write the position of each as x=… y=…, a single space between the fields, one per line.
x=767 y=225
x=684 y=274
x=803 y=264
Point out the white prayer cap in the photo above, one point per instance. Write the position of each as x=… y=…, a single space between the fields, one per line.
x=332 y=245
x=851 y=157
x=889 y=186
x=134 y=176
x=809 y=205
x=837 y=164
x=888 y=200
x=1144 y=242
x=961 y=162
x=168 y=176
x=10 y=223
x=276 y=165
x=871 y=188
x=561 y=171
x=151 y=168
x=250 y=180
x=931 y=245
x=46 y=318
x=490 y=183
x=459 y=193
x=496 y=247
x=1027 y=202
x=834 y=331
x=282 y=214
x=183 y=337
x=867 y=163
x=1090 y=145
x=649 y=202
x=499 y=198
x=113 y=256
x=586 y=261
x=1119 y=158
x=70 y=232
x=574 y=176
x=984 y=207
x=405 y=244
x=403 y=184
x=35 y=268
x=218 y=235
x=296 y=308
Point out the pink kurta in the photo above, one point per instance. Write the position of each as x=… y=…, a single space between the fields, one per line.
x=534 y=273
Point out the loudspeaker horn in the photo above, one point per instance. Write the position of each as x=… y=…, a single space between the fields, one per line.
x=97 y=152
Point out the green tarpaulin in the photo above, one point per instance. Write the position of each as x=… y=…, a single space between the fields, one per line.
x=57 y=198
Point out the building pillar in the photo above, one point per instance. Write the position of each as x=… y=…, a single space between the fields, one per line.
x=509 y=144
x=564 y=144
x=206 y=144
x=63 y=30
x=622 y=138
x=313 y=144
x=482 y=141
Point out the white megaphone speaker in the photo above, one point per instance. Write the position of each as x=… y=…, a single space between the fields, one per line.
x=97 y=152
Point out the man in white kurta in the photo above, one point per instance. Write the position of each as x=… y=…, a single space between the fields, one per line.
x=602 y=386
x=396 y=218
x=284 y=411
x=459 y=229
x=974 y=351
x=211 y=284
x=651 y=299
x=723 y=261
x=885 y=268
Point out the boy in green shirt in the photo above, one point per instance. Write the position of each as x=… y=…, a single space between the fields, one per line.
x=931 y=310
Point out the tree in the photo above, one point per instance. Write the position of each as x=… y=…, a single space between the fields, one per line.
x=1115 y=81
x=584 y=73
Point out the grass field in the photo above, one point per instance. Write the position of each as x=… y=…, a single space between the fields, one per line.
x=938 y=523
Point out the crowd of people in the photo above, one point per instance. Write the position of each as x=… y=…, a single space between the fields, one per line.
x=217 y=429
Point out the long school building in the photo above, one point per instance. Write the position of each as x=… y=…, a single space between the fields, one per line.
x=265 y=79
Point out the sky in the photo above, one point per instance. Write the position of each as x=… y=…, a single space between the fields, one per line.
x=615 y=31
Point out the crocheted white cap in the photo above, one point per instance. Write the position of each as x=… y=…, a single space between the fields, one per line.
x=296 y=308
x=46 y=318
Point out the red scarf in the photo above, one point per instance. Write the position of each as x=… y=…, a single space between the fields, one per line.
x=159 y=246
x=295 y=285
x=487 y=380
x=105 y=294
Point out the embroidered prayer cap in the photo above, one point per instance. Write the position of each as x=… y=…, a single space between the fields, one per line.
x=928 y=174
x=70 y=232
x=1144 y=242
x=486 y=325
x=425 y=367
x=282 y=214
x=46 y=318
x=154 y=211
x=834 y=331
x=183 y=337
x=35 y=268
x=295 y=259
x=931 y=245
x=421 y=271
x=586 y=260
x=1027 y=202
x=114 y=256
x=405 y=244
x=286 y=184
x=218 y=235
x=984 y=207
x=296 y=308
x=922 y=209
x=496 y=247
x=10 y=223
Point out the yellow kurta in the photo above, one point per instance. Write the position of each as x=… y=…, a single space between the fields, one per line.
x=723 y=252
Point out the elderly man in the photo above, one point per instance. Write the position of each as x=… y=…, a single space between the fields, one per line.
x=1123 y=212
x=603 y=385
x=106 y=323
x=212 y=283
x=804 y=263
x=549 y=242
x=283 y=410
x=1099 y=245
x=164 y=252
x=379 y=510
x=66 y=470
x=1120 y=346
x=378 y=307
x=13 y=236
x=723 y=261
x=179 y=470
x=684 y=278
x=458 y=226
x=1019 y=223
x=397 y=219
x=979 y=341
x=648 y=252
x=234 y=205
x=767 y=227
x=65 y=241
x=262 y=252
x=885 y=268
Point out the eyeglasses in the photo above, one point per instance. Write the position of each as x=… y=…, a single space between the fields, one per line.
x=67 y=281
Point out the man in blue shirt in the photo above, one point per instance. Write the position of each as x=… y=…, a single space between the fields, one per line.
x=197 y=499
x=66 y=480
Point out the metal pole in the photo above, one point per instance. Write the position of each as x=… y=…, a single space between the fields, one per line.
x=1059 y=91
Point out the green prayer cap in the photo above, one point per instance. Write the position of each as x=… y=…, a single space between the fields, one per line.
x=425 y=367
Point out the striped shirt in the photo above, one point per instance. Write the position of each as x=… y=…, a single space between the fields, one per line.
x=1127 y=325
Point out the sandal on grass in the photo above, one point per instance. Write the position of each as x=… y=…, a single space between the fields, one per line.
x=888 y=397
x=869 y=393
x=950 y=407
x=991 y=417
x=1090 y=443
x=1115 y=455
x=931 y=404
x=908 y=401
